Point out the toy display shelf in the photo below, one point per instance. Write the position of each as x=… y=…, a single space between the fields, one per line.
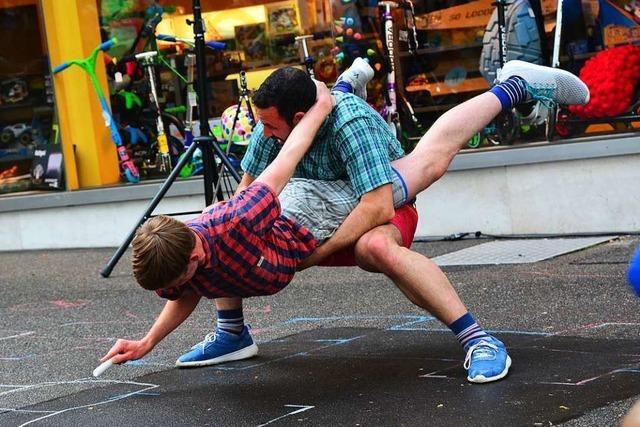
x=440 y=49
x=473 y=84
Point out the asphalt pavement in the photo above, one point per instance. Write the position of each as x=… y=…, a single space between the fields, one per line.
x=339 y=346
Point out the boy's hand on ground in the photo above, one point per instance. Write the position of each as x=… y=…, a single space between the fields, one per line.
x=125 y=350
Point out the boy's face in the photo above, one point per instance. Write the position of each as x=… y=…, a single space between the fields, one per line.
x=188 y=273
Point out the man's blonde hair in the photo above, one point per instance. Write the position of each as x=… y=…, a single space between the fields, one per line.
x=161 y=250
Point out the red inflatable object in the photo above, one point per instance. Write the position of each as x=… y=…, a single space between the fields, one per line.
x=612 y=76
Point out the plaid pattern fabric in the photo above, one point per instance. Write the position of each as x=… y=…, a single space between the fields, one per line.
x=354 y=144
x=322 y=206
x=251 y=249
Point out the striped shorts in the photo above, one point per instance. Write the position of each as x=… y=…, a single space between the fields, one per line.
x=321 y=206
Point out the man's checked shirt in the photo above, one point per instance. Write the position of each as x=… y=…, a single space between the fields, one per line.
x=251 y=249
x=354 y=143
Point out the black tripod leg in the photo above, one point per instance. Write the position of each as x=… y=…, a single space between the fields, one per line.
x=225 y=161
x=106 y=271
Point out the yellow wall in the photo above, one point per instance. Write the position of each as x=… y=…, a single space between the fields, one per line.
x=72 y=32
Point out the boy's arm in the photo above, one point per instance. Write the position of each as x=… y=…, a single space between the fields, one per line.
x=172 y=316
x=244 y=183
x=278 y=173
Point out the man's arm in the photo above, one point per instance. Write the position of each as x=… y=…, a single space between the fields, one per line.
x=172 y=316
x=364 y=146
x=278 y=173
x=375 y=208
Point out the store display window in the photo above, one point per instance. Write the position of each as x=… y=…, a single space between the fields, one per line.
x=150 y=70
x=429 y=56
x=30 y=154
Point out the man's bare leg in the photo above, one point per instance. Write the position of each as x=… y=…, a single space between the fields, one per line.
x=518 y=82
x=424 y=284
x=419 y=278
x=450 y=133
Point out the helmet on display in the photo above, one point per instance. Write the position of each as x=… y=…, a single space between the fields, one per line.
x=244 y=124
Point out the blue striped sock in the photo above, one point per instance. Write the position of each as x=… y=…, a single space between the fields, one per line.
x=343 y=87
x=467 y=330
x=510 y=92
x=231 y=321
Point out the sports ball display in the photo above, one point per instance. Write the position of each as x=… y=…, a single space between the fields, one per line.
x=244 y=124
x=612 y=77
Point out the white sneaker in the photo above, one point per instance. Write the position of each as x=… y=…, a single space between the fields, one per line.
x=358 y=75
x=547 y=84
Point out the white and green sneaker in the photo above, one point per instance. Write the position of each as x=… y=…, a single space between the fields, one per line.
x=547 y=85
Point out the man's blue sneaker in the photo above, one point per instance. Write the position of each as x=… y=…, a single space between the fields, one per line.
x=487 y=360
x=220 y=347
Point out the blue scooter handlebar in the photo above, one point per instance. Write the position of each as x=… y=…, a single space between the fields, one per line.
x=166 y=38
x=173 y=39
x=216 y=45
x=108 y=44
x=60 y=67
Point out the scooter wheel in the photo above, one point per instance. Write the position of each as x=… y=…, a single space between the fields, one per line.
x=475 y=141
x=565 y=128
x=131 y=177
x=508 y=127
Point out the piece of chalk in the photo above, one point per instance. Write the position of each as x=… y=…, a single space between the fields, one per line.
x=103 y=367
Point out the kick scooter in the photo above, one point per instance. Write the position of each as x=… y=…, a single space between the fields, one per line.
x=127 y=167
x=163 y=159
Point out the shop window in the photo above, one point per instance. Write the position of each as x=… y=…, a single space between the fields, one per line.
x=30 y=154
x=258 y=37
x=446 y=52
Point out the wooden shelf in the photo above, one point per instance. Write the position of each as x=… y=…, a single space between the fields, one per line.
x=473 y=84
x=434 y=50
x=434 y=108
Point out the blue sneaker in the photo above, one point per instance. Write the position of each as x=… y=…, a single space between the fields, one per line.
x=219 y=347
x=487 y=360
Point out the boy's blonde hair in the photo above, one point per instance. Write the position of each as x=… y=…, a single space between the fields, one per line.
x=162 y=247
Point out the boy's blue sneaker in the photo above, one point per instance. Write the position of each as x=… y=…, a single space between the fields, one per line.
x=487 y=360
x=219 y=347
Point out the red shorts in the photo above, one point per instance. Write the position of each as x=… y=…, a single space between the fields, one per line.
x=405 y=220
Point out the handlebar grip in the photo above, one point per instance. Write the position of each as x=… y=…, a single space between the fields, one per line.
x=216 y=45
x=60 y=67
x=108 y=44
x=166 y=38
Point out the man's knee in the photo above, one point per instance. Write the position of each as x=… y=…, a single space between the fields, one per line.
x=378 y=249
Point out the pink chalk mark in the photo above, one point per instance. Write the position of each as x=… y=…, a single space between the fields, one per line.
x=266 y=309
x=69 y=304
x=130 y=314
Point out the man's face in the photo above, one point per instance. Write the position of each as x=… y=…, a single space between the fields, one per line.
x=274 y=124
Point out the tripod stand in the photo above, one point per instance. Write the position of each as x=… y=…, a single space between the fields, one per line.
x=205 y=142
x=242 y=98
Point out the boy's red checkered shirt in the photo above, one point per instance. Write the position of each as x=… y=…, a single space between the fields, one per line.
x=252 y=250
